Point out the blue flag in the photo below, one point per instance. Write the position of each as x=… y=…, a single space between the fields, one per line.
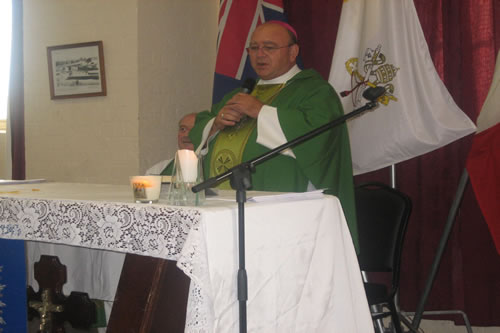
x=13 y=307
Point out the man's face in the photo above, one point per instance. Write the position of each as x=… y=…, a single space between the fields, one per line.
x=274 y=62
x=185 y=125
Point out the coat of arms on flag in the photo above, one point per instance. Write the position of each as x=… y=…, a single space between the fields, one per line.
x=381 y=43
x=371 y=71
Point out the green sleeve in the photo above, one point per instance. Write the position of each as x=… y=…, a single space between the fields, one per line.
x=326 y=159
x=204 y=117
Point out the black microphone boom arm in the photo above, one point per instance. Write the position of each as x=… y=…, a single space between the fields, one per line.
x=264 y=157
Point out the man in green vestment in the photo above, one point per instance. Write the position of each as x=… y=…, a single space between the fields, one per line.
x=286 y=103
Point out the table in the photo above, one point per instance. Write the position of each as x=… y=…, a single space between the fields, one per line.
x=302 y=269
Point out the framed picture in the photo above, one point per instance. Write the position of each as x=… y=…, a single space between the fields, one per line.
x=76 y=70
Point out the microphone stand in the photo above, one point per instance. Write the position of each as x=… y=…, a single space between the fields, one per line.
x=241 y=180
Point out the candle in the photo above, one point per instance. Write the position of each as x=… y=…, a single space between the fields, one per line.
x=146 y=188
x=189 y=165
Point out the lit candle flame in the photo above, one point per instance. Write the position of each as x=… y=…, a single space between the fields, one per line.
x=143 y=184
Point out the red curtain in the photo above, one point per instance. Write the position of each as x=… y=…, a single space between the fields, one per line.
x=463 y=38
x=16 y=93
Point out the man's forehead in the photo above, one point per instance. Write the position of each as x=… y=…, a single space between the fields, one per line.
x=270 y=33
x=265 y=42
x=187 y=121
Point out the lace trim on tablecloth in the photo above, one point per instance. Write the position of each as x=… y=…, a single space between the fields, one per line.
x=193 y=262
x=152 y=230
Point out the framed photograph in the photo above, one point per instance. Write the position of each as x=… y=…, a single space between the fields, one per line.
x=76 y=70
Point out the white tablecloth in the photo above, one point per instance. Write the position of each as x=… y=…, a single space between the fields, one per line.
x=302 y=270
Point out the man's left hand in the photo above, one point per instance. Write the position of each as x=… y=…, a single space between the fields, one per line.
x=245 y=104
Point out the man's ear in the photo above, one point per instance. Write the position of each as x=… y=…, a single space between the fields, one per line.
x=294 y=52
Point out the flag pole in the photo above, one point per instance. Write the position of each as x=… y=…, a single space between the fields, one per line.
x=415 y=324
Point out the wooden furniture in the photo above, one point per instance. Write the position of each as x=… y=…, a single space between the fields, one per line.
x=151 y=297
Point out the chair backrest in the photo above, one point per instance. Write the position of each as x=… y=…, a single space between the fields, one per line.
x=383 y=214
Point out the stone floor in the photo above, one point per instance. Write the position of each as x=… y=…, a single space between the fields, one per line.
x=443 y=326
x=438 y=326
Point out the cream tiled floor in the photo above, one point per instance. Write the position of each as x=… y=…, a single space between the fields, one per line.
x=438 y=326
x=443 y=326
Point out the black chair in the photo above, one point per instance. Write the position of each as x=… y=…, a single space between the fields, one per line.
x=383 y=214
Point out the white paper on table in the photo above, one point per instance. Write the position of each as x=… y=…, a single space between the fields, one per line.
x=288 y=196
x=18 y=182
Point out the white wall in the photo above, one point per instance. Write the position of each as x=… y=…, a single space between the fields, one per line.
x=159 y=61
x=3 y=151
x=176 y=62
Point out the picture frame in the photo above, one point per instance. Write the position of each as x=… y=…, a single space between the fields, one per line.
x=76 y=70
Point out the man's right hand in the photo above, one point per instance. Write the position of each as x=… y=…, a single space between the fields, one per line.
x=226 y=117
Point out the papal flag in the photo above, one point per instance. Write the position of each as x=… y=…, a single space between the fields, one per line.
x=381 y=43
x=483 y=163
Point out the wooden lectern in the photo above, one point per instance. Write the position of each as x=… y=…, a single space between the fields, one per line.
x=151 y=297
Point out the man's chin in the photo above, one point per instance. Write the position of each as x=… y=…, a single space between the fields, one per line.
x=262 y=71
x=263 y=75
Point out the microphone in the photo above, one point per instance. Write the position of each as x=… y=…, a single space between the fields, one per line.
x=248 y=85
x=372 y=94
x=246 y=88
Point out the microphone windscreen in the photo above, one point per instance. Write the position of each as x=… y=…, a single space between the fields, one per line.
x=372 y=94
x=248 y=85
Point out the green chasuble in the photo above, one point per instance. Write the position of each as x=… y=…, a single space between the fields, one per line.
x=169 y=169
x=305 y=103
x=230 y=144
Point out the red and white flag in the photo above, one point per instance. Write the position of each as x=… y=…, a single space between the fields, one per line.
x=381 y=43
x=483 y=163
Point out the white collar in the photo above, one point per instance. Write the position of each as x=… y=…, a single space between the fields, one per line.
x=283 y=78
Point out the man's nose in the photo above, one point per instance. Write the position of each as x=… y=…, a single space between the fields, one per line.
x=260 y=52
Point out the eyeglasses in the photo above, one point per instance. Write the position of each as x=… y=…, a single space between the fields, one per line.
x=267 y=49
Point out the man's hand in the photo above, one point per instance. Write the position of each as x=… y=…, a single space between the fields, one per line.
x=245 y=105
x=236 y=108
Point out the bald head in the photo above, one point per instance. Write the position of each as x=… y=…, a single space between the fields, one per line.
x=185 y=125
x=273 y=50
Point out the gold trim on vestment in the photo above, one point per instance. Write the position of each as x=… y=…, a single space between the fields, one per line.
x=231 y=141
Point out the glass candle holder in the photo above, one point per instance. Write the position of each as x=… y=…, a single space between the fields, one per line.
x=187 y=172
